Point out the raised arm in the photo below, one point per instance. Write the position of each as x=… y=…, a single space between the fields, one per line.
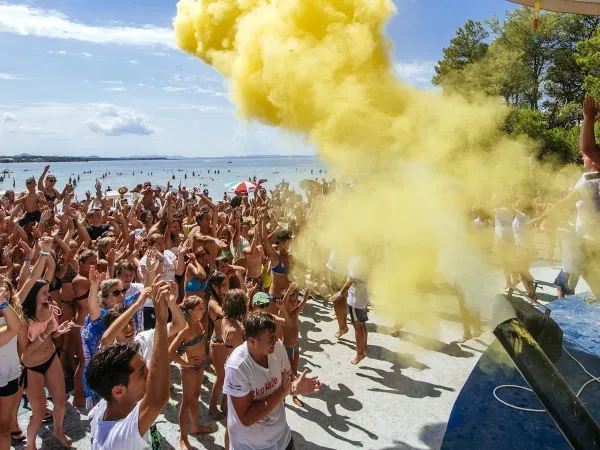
x=40 y=183
x=117 y=326
x=158 y=382
x=38 y=268
x=587 y=142
x=13 y=322
x=95 y=278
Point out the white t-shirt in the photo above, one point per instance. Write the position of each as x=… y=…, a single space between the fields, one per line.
x=358 y=294
x=134 y=288
x=588 y=210
x=336 y=264
x=121 y=434
x=503 y=223
x=168 y=267
x=572 y=254
x=9 y=368
x=522 y=234
x=244 y=375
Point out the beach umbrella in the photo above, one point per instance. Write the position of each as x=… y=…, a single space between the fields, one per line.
x=242 y=186
x=309 y=185
x=587 y=7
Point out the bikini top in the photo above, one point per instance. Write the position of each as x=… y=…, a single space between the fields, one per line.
x=280 y=269
x=195 y=285
x=191 y=343
x=70 y=275
x=36 y=329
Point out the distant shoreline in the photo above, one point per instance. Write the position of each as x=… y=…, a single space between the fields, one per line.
x=55 y=159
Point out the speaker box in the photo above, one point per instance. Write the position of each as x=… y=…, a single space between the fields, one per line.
x=542 y=327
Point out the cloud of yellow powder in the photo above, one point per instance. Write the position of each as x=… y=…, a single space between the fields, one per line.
x=418 y=161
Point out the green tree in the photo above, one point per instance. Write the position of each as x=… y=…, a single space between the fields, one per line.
x=465 y=48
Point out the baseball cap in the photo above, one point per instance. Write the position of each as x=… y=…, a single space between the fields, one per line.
x=260 y=299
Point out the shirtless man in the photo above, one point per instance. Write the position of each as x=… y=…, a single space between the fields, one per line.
x=148 y=197
x=32 y=202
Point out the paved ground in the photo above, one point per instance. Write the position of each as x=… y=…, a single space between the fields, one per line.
x=400 y=397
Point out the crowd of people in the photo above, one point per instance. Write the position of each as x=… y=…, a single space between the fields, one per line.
x=110 y=294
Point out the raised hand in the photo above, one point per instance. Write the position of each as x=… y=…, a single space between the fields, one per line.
x=27 y=250
x=96 y=277
x=306 y=385
x=110 y=257
x=46 y=243
x=65 y=327
x=590 y=108
x=88 y=195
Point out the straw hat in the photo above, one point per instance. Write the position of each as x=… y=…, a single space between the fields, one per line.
x=123 y=190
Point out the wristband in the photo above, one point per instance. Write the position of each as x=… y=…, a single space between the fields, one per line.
x=41 y=339
x=4 y=305
x=111 y=267
x=44 y=254
x=26 y=259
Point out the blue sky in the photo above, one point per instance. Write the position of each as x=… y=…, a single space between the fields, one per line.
x=83 y=77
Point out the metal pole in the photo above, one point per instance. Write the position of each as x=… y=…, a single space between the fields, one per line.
x=566 y=410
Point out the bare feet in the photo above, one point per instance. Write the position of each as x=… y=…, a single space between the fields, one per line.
x=184 y=444
x=465 y=337
x=63 y=439
x=358 y=359
x=297 y=401
x=340 y=333
x=477 y=332
x=216 y=414
x=202 y=429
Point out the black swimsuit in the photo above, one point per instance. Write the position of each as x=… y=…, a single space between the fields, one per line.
x=83 y=296
x=41 y=369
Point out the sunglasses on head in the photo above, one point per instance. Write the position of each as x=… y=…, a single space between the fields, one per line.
x=117 y=292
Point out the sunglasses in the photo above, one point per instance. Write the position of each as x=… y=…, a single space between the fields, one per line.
x=118 y=292
x=51 y=180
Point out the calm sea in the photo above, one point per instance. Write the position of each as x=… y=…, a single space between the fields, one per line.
x=129 y=173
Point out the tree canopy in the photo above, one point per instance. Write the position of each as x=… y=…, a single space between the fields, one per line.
x=544 y=79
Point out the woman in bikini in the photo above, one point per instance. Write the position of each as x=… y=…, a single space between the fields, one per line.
x=81 y=291
x=10 y=325
x=189 y=351
x=47 y=188
x=217 y=288
x=281 y=261
x=195 y=281
x=61 y=293
x=41 y=367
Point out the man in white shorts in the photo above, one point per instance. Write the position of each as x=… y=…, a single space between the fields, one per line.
x=257 y=380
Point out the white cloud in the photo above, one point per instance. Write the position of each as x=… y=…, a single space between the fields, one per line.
x=416 y=73
x=116 y=89
x=65 y=53
x=25 y=20
x=10 y=76
x=174 y=89
x=8 y=117
x=133 y=61
x=112 y=120
x=210 y=91
x=112 y=82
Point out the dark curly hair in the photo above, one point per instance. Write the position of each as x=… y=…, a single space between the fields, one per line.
x=110 y=367
x=234 y=304
x=216 y=279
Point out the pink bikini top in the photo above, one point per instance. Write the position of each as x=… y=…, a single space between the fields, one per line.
x=36 y=329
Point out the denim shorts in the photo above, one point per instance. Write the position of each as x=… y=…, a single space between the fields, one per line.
x=357 y=314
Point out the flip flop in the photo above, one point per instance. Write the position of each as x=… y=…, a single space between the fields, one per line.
x=17 y=436
x=48 y=417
